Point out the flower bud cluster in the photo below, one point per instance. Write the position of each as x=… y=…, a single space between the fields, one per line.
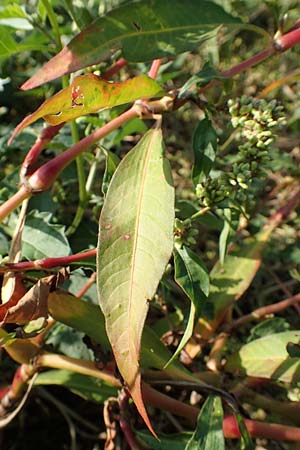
x=256 y=122
x=184 y=232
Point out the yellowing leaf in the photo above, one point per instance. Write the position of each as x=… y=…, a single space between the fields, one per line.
x=135 y=244
x=89 y=94
x=268 y=357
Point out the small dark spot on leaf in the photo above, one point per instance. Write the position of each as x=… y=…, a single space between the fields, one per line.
x=136 y=26
x=126 y=237
x=107 y=226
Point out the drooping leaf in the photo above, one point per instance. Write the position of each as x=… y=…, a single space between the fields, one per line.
x=87 y=387
x=135 y=244
x=268 y=357
x=143 y=30
x=193 y=278
x=41 y=239
x=205 y=148
x=31 y=306
x=209 y=432
x=88 y=94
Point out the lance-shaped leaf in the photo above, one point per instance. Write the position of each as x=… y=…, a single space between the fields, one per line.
x=209 y=433
x=88 y=94
x=205 y=148
x=269 y=357
x=135 y=244
x=143 y=30
x=193 y=278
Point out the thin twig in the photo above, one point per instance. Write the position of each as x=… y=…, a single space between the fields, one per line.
x=87 y=285
x=263 y=312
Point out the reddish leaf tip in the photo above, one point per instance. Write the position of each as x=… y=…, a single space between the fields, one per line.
x=136 y=394
x=61 y=64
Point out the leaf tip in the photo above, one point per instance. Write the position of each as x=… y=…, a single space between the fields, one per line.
x=136 y=394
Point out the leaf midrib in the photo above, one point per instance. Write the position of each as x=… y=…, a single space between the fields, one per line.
x=136 y=231
x=149 y=32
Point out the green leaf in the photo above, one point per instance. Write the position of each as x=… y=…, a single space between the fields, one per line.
x=14 y=16
x=143 y=30
x=42 y=239
x=223 y=241
x=87 y=387
x=165 y=442
x=88 y=318
x=205 y=148
x=269 y=326
x=88 y=94
x=68 y=341
x=12 y=11
x=192 y=276
x=78 y=314
x=135 y=244
x=200 y=79
x=209 y=432
x=247 y=443
x=229 y=282
x=9 y=47
x=133 y=126
x=268 y=357
x=112 y=161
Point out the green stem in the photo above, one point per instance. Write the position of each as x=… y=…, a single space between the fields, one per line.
x=228 y=141
x=83 y=194
x=83 y=197
x=53 y=22
x=54 y=361
x=92 y=173
x=71 y=11
x=198 y=214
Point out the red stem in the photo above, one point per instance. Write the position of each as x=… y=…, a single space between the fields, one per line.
x=54 y=167
x=14 y=201
x=261 y=429
x=280 y=45
x=87 y=285
x=264 y=311
x=154 y=68
x=288 y=40
x=124 y=421
x=43 y=178
x=48 y=263
x=114 y=69
x=248 y=63
x=230 y=428
x=45 y=137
